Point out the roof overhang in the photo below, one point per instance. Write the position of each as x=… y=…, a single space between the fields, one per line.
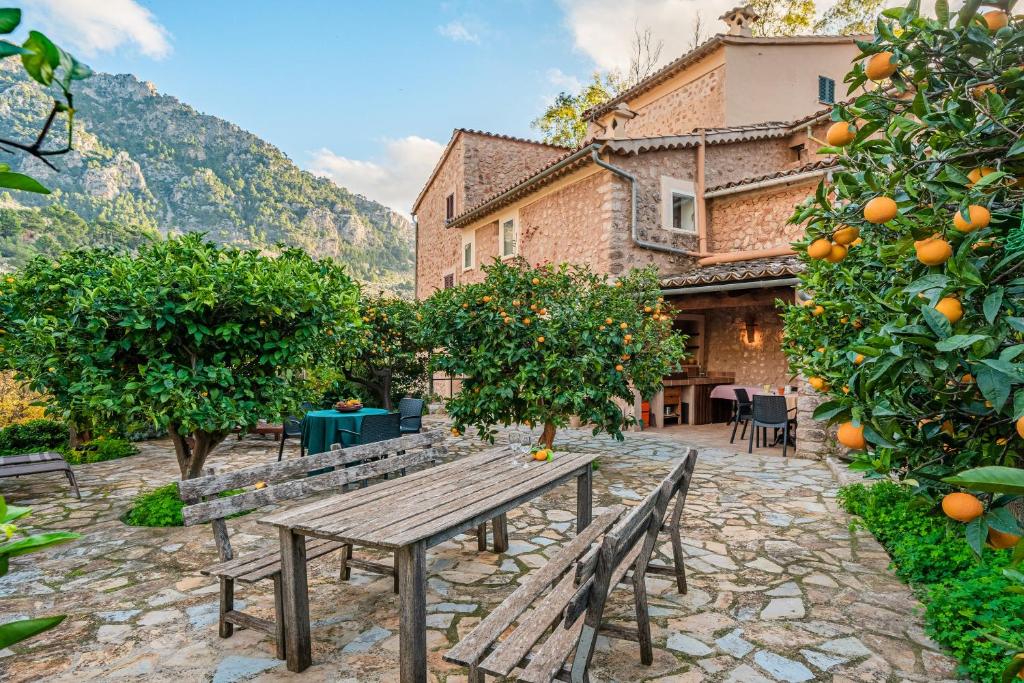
x=768 y=272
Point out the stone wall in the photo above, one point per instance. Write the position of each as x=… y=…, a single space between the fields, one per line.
x=740 y=160
x=437 y=248
x=492 y=164
x=484 y=252
x=756 y=219
x=697 y=104
x=756 y=362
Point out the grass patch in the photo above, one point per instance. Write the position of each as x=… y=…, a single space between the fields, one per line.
x=964 y=597
x=162 y=507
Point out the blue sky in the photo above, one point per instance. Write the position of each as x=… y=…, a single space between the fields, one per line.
x=365 y=92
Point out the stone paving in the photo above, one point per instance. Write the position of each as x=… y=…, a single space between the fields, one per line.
x=779 y=589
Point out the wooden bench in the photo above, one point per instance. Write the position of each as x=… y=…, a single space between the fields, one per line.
x=288 y=480
x=38 y=463
x=557 y=612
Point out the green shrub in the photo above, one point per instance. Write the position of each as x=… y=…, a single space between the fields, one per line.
x=959 y=612
x=100 y=450
x=964 y=597
x=33 y=436
x=159 y=507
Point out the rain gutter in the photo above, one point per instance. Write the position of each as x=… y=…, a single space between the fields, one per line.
x=733 y=286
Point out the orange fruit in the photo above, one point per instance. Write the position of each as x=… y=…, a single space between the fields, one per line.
x=456 y=432
x=508 y=321
x=880 y=210
x=817 y=310
x=880 y=66
x=967 y=379
x=819 y=248
x=995 y=20
x=851 y=436
x=841 y=134
x=1020 y=427
x=858 y=359
x=1000 y=540
x=846 y=389
x=628 y=338
x=536 y=281
x=608 y=321
x=846 y=235
x=933 y=251
x=817 y=383
x=951 y=308
x=978 y=173
x=947 y=428
x=963 y=507
x=836 y=253
x=540 y=340
x=487 y=299
x=623 y=326
x=542 y=454
x=619 y=368
x=526 y=321
x=980 y=218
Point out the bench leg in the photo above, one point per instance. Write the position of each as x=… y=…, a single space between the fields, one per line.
x=394 y=588
x=345 y=572
x=500 y=527
x=279 y=645
x=476 y=675
x=227 y=603
x=73 y=482
x=643 y=621
x=481 y=537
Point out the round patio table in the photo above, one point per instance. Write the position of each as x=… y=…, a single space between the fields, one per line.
x=320 y=428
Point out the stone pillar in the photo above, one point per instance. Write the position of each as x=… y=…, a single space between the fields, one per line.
x=813 y=439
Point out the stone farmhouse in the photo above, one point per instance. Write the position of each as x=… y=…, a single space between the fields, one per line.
x=695 y=169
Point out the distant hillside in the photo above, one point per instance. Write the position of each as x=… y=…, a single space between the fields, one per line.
x=147 y=163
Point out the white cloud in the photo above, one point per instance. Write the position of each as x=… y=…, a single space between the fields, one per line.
x=88 y=27
x=394 y=179
x=563 y=81
x=458 y=32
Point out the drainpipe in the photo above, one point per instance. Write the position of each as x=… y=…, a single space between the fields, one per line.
x=634 y=230
x=702 y=217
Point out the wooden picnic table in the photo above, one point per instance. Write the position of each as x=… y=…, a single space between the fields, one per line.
x=408 y=515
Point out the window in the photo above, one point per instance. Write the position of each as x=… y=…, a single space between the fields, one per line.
x=826 y=90
x=678 y=205
x=507 y=236
x=449 y=280
x=467 y=253
x=449 y=207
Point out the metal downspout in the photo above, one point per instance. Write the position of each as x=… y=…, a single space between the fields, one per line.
x=634 y=230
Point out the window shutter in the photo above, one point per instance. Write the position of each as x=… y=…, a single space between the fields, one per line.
x=449 y=281
x=826 y=90
x=449 y=207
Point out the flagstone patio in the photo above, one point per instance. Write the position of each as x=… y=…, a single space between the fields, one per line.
x=779 y=589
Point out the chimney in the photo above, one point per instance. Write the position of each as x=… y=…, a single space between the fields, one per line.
x=620 y=115
x=739 y=19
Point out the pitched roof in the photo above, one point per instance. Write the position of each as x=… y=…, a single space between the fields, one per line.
x=769 y=268
x=711 y=136
x=471 y=131
x=699 y=53
x=813 y=167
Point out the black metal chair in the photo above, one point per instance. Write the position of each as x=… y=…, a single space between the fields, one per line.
x=743 y=414
x=411 y=412
x=292 y=427
x=770 y=411
x=374 y=428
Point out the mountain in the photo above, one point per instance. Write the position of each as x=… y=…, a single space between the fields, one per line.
x=146 y=163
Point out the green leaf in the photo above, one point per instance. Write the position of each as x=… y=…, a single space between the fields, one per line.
x=19 y=181
x=993 y=302
x=938 y=322
x=1016 y=149
x=16 y=631
x=993 y=384
x=11 y=513
x=9 y=19
x=8 y=48
x=990 y=479
x=942 y=11
x=31 y=544
x=959 y=341
x=828 y=410
x=977 y=532
x=43 y=57
x=1002 y=519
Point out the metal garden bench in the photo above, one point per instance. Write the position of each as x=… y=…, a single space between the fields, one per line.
x=38 y=463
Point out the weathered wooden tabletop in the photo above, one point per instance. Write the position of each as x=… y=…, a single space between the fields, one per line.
x=427 y=504
x=409 y=515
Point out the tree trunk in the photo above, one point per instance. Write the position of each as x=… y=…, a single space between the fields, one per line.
x=192 y=450
x=385 y=384
x=547 y=437
x=77 y=437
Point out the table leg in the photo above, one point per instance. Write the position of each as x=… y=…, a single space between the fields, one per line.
x=412 y=597
x=584 y=497
x=500 y=526
x=298 y=648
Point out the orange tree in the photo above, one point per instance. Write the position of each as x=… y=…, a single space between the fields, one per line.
x=539 y=345
x=184 y=334
x=915 y=254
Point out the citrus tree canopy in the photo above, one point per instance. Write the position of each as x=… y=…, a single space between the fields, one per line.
x=915 y=250
x=539 y=345
x=194 y=337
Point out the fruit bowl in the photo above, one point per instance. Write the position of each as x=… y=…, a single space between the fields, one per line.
x=348 y=407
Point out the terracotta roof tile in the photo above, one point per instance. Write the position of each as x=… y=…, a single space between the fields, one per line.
x=513 y=138
x=742 y=271
x=820 y=165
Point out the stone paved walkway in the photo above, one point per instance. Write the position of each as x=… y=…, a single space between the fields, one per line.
x=779 y=590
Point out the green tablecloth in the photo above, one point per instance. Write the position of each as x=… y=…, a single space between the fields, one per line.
x=320 y=428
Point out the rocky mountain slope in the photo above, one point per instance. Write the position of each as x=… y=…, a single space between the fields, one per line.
x=146 y=163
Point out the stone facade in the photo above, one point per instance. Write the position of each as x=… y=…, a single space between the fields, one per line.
x=756 y=219
x=755 y=362
x=493 y=163
x=699 y=103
